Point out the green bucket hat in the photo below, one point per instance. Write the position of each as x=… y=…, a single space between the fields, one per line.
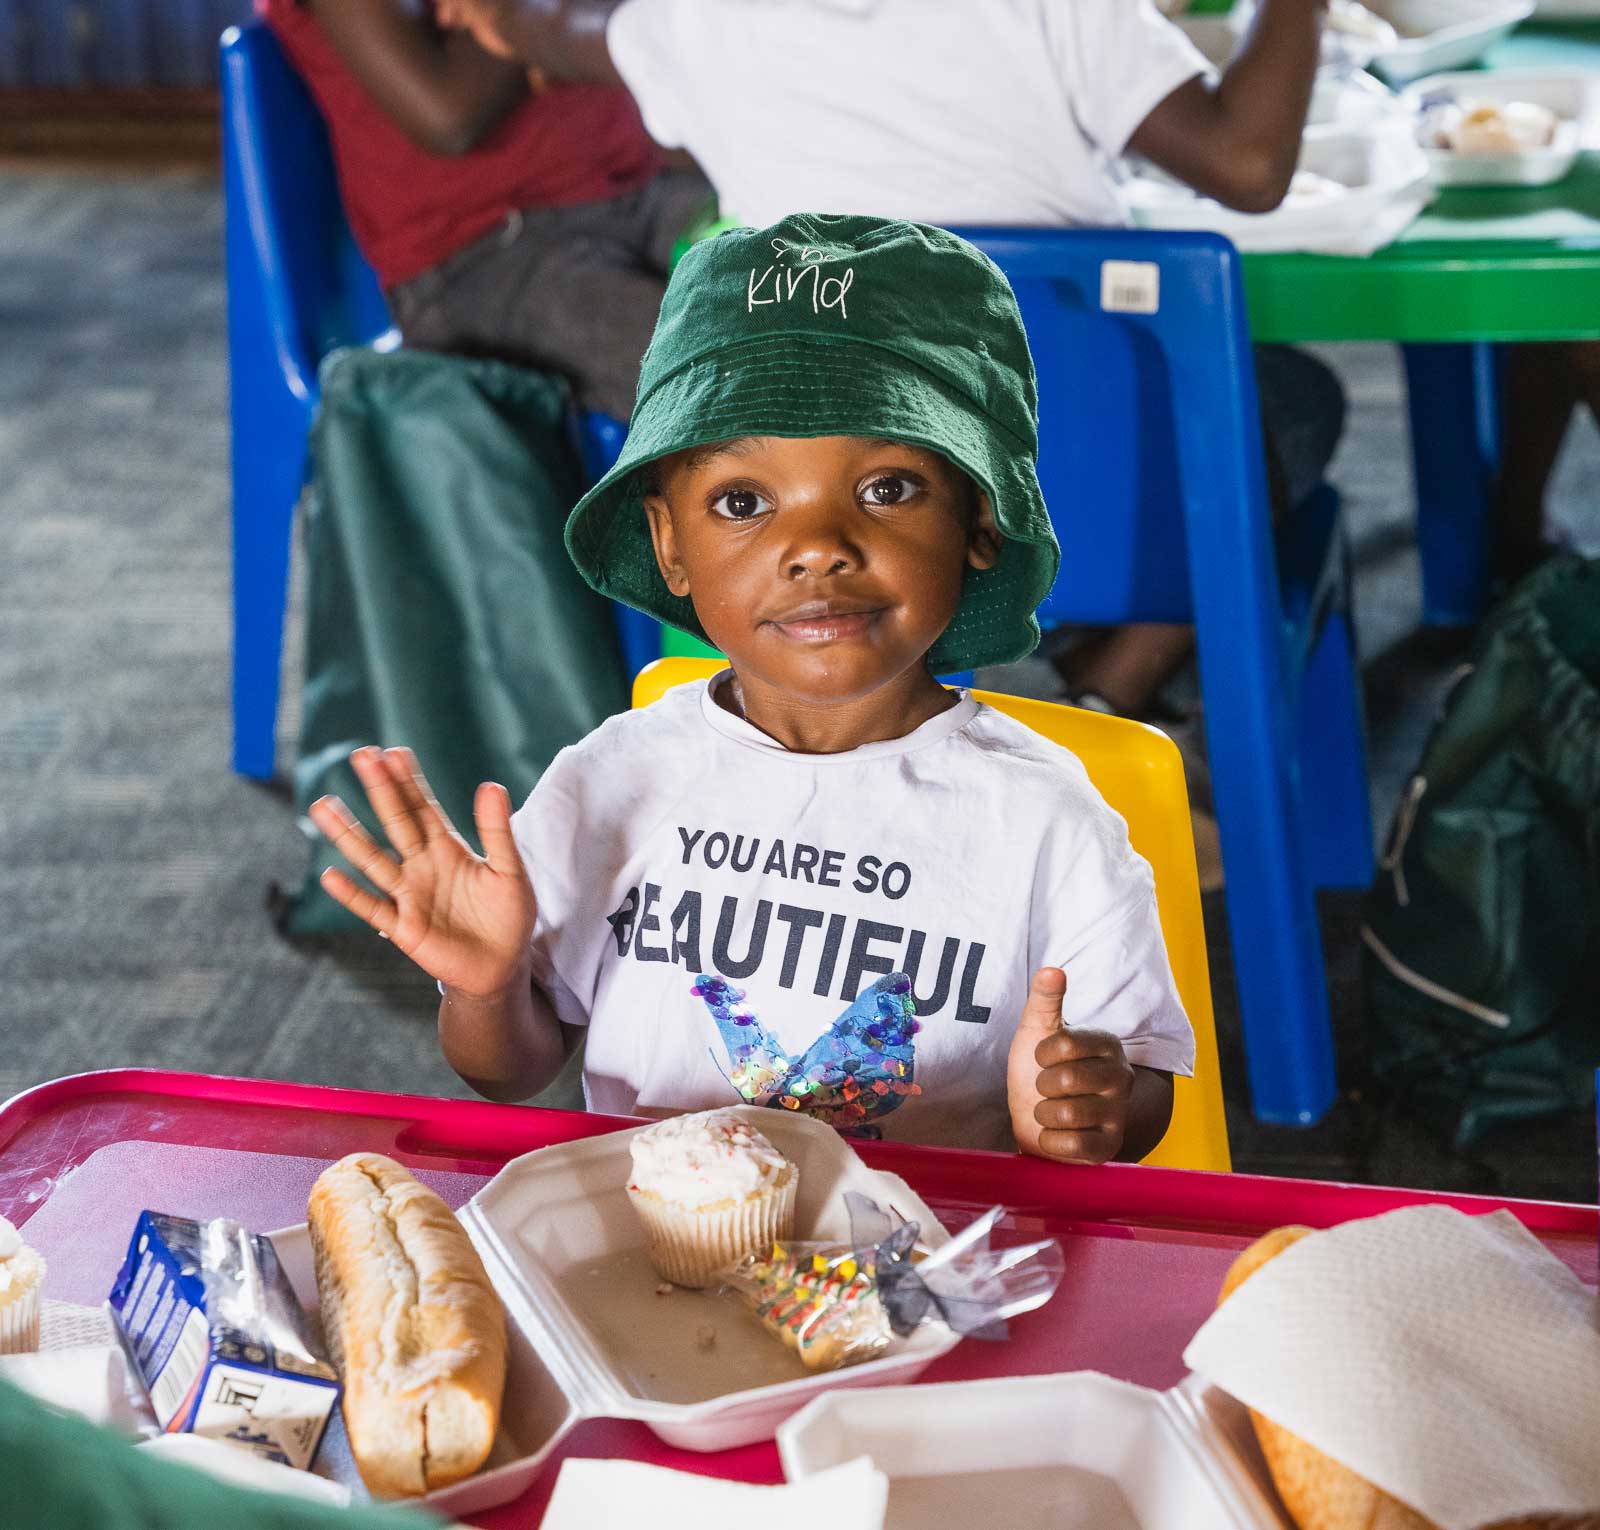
x=839 y=326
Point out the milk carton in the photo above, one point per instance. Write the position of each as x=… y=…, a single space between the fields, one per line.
x=214 y=1330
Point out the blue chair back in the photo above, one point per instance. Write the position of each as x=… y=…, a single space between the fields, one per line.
x=287 y=229
x=1148 y=420
x=1153 y=467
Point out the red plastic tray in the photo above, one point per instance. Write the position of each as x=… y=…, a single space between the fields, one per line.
x=1146 y=1248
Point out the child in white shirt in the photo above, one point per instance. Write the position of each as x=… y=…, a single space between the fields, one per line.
x=822 y=881
x=942 y=111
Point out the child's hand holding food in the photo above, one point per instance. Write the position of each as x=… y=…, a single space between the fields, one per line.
x=463 y=918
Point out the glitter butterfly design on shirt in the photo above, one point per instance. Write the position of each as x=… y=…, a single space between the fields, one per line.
x=856 y=1071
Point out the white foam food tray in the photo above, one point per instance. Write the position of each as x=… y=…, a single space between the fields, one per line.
x=1443 y=34
x=1368 y=169
x=593 y=1331
x=1351 y=102
x=1572 y=96
x=1070 y=1452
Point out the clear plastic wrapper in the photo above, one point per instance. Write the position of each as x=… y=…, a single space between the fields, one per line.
x=839 y=1304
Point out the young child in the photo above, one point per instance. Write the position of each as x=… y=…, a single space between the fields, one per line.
x=830 y=476
x=531 y=225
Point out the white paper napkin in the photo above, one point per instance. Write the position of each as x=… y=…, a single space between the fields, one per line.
x=243 y=1468
x=79 y=1366
x=1449 y=1359
x=854 y=1496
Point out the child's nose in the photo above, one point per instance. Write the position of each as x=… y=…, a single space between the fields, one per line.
x=821 y=544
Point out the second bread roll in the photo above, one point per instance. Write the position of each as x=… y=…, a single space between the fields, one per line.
x=1319 y=1492
x=414 y=1326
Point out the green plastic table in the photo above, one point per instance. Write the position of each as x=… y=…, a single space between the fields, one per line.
x=1481 y=263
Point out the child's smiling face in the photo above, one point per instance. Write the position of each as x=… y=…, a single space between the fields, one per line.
x=824 y=567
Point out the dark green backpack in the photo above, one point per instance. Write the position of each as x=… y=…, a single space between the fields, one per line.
x=1482 y=931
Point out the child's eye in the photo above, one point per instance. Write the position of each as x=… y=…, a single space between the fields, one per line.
x=891 y=489
x=740 y=504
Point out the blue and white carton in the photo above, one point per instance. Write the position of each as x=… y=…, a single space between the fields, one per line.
x=212 y=1325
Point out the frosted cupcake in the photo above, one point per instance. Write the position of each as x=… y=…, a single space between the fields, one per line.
x=21 y=1276
x=710 y=1189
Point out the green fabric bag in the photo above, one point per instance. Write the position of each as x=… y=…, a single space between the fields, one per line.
x=1482 y=930
x=443 y=611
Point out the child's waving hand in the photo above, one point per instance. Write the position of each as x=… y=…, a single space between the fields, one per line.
x=463 y=918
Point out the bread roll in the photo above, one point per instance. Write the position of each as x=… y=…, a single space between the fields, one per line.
x=413 y=1324
x=1318 y=1492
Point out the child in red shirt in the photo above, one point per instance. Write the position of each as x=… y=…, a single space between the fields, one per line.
x=534 y=223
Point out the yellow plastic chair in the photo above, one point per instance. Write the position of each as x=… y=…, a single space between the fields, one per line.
x=1139 y=772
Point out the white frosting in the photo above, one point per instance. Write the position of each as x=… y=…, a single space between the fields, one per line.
x=702 y=1159
x=20 y=1267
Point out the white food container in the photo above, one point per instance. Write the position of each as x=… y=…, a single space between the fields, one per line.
x=1351 y=102
x=1071 y=1452
x=1370 y=170
x=1443 y=34
x=1573 y=98
x=592 y=1336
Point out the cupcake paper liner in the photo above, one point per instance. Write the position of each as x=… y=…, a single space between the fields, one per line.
x=19 y=1323
x=689 y=1247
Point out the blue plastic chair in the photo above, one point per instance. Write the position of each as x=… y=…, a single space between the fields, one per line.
x=1152 y=464
x=599 y=443
x=298 y=288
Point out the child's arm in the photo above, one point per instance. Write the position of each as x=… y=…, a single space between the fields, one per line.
x=442 y=90
x=465 y=919
x=1239 y=139
x=561 y=39
x=1074 y=1095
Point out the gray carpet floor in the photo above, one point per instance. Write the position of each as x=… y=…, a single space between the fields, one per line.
x=135 y=867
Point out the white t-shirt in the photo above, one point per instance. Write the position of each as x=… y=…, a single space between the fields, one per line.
x=679 y=841
x=941 y=111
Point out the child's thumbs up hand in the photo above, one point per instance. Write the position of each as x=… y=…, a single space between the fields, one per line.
x=1068 y=1089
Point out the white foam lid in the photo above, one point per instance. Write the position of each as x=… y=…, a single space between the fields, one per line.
x=1089 y=1451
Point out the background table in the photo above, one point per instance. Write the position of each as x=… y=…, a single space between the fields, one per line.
x=1480 y=265
x=1145 y=1249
